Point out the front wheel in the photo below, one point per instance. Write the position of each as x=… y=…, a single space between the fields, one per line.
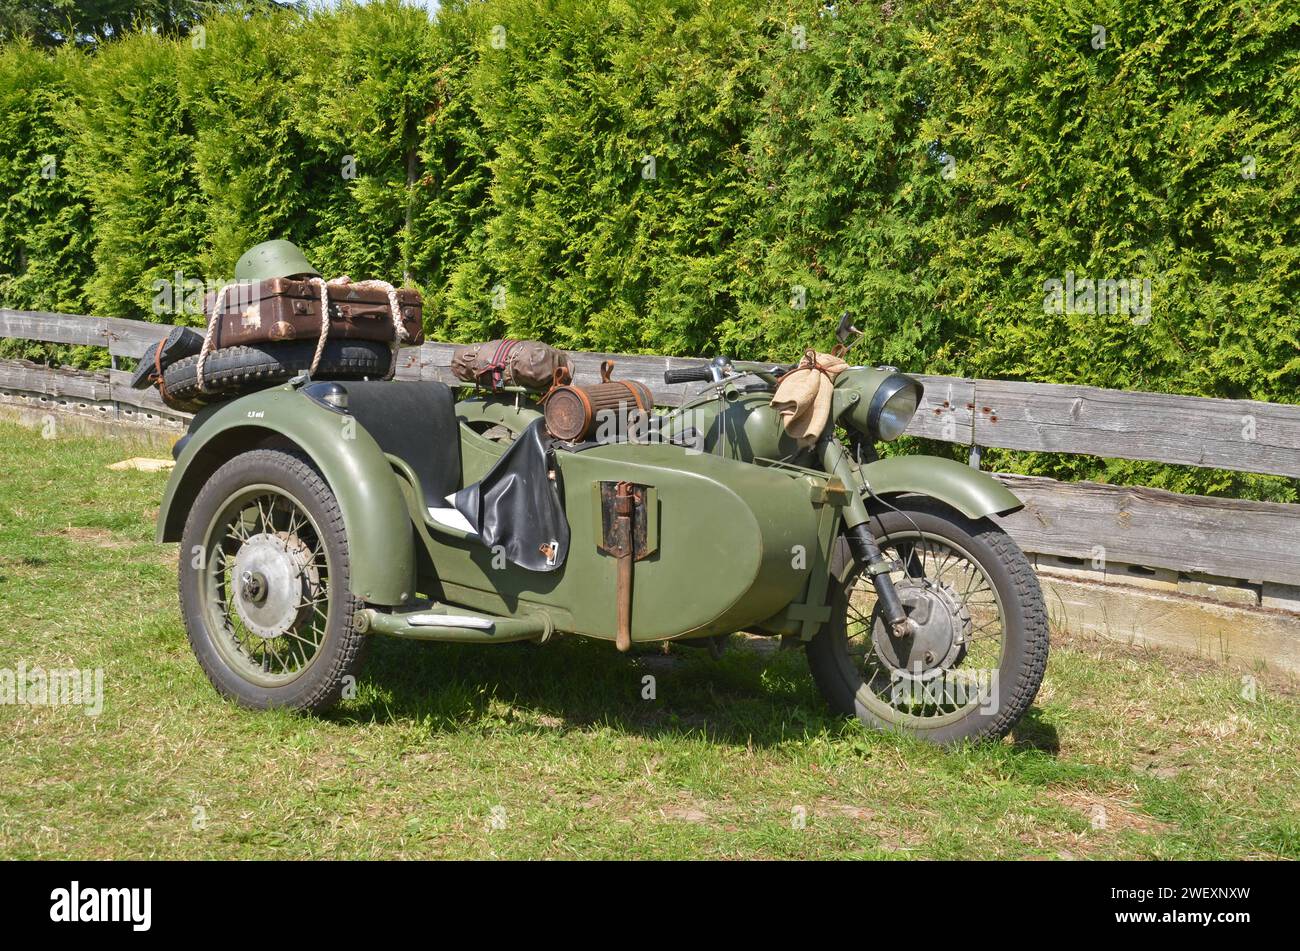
x=975 y=657
x=264 y=584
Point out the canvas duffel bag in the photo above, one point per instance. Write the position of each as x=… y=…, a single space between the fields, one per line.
x=497 y=363
x=284 y=309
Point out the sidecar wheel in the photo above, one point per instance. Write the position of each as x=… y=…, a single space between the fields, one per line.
x=264 y=585
x=975 y=662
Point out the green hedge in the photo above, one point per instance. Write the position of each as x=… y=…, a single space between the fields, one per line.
x=679 y=176
x=931 y=170
x=45 y=221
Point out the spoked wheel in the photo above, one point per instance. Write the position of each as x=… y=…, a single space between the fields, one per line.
x=974 y=658
x=264 y=584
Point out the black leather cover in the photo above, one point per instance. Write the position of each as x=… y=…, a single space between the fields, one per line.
x=416 y=422
x=517 y=506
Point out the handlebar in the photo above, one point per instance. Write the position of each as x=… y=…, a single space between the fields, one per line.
x=768 y=372
x=689 y=375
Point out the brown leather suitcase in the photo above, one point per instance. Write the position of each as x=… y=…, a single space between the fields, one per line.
x=284 y=309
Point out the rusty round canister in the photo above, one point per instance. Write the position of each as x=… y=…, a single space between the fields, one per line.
x=604 y=410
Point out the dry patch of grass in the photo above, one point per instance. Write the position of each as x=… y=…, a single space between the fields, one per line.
x=98 y=537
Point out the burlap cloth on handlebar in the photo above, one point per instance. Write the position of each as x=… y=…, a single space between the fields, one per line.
x=803 y=397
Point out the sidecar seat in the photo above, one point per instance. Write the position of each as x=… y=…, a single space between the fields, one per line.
x=516 y=505
x=416 y=422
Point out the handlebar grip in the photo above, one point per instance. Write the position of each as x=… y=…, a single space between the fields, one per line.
x=689 y=375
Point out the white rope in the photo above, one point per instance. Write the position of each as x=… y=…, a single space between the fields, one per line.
x=217 y=306
x=324 y=322
x=394 y=309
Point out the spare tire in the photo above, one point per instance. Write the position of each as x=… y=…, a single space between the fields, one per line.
x=233 y=371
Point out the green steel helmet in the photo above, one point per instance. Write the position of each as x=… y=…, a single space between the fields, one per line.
x=270 y=259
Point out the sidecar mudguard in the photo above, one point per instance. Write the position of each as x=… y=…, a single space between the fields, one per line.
x=974 y=493
x=380 y=537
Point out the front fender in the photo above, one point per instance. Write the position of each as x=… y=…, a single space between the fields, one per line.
x=974 y=493
x=381 y=540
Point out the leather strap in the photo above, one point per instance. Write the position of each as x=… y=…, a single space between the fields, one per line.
x=562 y=377
x=497 y=365
x=635 y=391
x=158 y=371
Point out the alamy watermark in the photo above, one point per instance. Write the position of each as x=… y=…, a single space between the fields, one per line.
x=182 y=295
x=1130 y=296
x=78 y=903
x=38 y=687
x=959 y=689
x=634 y=425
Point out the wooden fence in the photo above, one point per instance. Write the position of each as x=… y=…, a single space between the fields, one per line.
x=1254 y=542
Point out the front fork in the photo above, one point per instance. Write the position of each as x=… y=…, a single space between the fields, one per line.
x=862 y=544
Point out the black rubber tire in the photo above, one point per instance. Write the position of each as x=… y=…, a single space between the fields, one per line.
x=232 y=371
x=1025 y=645
x=342 y=649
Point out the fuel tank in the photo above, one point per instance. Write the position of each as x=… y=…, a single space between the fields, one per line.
x=740 y=424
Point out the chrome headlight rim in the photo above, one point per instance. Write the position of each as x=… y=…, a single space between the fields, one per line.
x=890 y=387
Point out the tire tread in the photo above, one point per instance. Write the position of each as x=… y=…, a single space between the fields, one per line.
x=233 y=370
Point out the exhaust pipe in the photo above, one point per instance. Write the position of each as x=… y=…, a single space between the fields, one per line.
x=439 y=622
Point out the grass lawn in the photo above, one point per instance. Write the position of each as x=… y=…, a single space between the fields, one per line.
x=551 y=752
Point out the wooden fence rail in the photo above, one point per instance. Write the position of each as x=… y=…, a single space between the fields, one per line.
x=1251 y=541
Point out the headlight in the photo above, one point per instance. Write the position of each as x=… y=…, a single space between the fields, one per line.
x=892 y=406
x=878 y=402
x=897 y=412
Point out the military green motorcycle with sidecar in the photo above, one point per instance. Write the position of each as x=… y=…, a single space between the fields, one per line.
x=318 y=514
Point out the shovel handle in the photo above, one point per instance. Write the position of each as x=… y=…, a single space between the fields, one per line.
x=624 y=509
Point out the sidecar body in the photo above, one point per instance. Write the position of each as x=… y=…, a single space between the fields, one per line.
x=716 y=545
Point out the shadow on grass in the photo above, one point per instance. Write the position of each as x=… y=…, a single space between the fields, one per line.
x=1036 y=734
x=746 y=698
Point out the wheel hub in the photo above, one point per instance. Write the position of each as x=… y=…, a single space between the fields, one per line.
x=941 y=629
x=274 y=577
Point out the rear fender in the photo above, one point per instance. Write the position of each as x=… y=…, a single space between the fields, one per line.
x=381 y=540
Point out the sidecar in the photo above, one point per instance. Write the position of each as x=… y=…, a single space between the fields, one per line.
x=320 y=512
